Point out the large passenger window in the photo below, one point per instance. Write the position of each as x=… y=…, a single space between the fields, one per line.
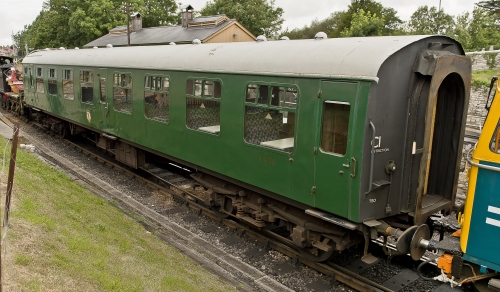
x=52 y=81
x=270 y=113
x=495 y=140
x=335 y=127
x=156 y=98
x=40 y=88
x=122 y=92
x=87 y=86
x=67 y=84
x=203 y=105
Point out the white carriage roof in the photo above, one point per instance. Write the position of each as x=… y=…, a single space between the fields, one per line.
x=333 y=58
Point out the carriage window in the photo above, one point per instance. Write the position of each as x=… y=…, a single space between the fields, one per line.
x=26 y=77
x=67 y=84
x=203 y=105
x=87 y=86
x=122 y=92
x=30 y=74
x=335 y=126
x=39 y=81
x=156 y=98
x=495 y=140
x=102 y=82
x=269 y=121
x=52 y=81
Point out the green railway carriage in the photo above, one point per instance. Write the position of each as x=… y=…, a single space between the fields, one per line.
x=336 y=132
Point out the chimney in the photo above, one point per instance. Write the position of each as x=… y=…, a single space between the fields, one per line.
x=136 y=21
x=186 y=15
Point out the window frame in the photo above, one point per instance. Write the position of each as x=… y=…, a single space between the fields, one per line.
x=121 y=86
x=91 y=82
x=52 y=80
x=321 y=129
x=268 y=106
x=156 y=90
x=203 y=97
x=495 y=140
x=39 y=76
x=72 y=80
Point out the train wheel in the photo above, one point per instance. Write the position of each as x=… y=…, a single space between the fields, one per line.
x=316 y=254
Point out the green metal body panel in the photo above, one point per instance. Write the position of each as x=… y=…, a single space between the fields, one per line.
x=291 y=175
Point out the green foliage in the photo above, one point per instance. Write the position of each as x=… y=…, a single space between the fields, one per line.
x=491 y=59
x=364 y=24
x=328 y=26
x=260 y=17
x=482 y=78
x=483 y=30
x=491 y=6
x=430 y=21
x=74 y=23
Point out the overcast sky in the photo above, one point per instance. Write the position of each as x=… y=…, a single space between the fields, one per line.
x=298 y=13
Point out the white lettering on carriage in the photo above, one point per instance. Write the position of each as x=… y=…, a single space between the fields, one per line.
x=494 y=210
x=493 y=222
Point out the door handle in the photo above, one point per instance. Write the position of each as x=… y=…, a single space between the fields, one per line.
x=106 y=109
x=353 y=174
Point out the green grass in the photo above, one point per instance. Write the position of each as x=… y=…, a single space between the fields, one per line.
x=64 y=238
x=483 y=78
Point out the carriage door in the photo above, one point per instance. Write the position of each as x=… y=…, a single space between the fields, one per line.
x=102 y=102
x=334 y=165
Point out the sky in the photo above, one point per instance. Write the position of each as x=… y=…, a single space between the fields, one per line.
x=297 y=13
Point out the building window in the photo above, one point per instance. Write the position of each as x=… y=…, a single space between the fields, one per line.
x=52 y=81
x=122 y=92
x=203 y=105
x=40 y=88
x=157 y=98
x=335 y=127
x=67 y=84
x=87 y=86
x=270 y=113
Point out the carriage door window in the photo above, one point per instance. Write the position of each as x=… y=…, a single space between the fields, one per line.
x=52 y=81
x=87 y=86
x=203 y=105
x=102 y=81
x=67 y=84
x=335 y=126
x=26 y=78
x=156 y=98
x=30 y=74
x=122 y=92
x=40 y=88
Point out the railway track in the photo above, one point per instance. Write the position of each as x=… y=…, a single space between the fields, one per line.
x=169 y=179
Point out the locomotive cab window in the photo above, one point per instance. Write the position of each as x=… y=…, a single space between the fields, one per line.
x=270 y=116
x=122 y=92
x=203 y=105
x=157 y=98
x=335 y=127
x=67 y=84
x=87 y=86
x=40 y=88
x=52 y=81
x=495 y=140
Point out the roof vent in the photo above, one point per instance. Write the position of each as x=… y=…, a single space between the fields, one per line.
x=284 y=38
x=62 y=48
x=172 y=43
x=47 y=49
x=95 y=48
x=196 y=42
x=77 y=48
x=320 y=36
x=261 y=38
x=109 y=46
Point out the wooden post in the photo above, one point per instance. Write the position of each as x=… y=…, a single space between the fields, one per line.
x=10 y=183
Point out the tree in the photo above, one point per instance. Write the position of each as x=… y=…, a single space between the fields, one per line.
x=328 y=26
x=491 y=6
x=391 y=21
x=364 y=24
x=430 y=21
x=483 y=30
x=260 y=17
x=159 y=12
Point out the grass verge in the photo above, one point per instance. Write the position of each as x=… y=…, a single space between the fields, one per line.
x=483 y=78
x=62 y=237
